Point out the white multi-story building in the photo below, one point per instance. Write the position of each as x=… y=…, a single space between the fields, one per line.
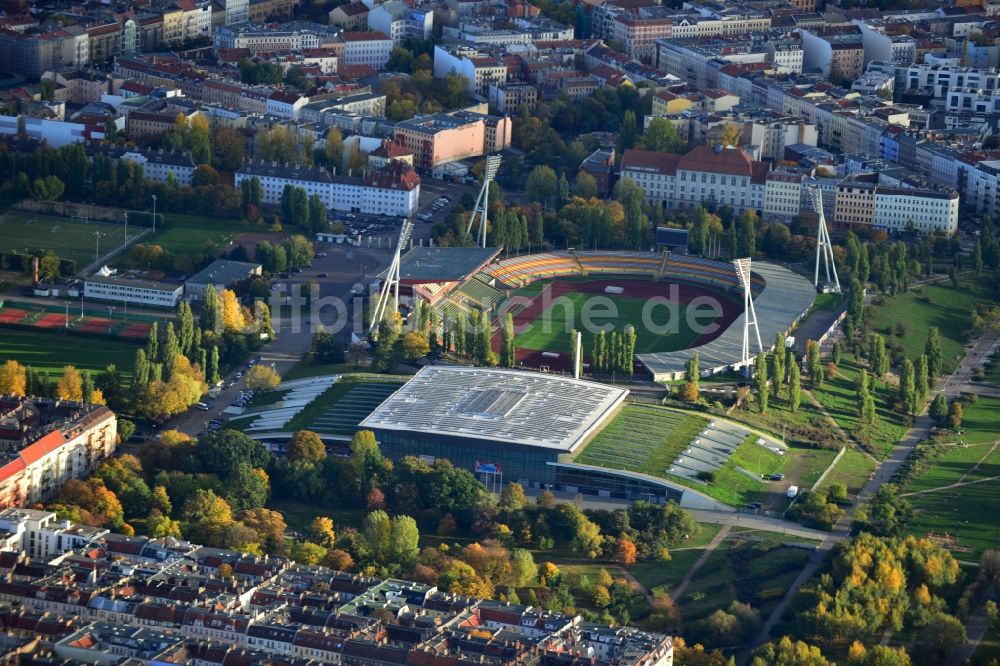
x=367 y=48
x=400 y=21
x=157 y=165
x=237 y=11
x=942 y=78
x=286 y=104
x=137 y=292
x=923 y=211
x=783 y=195
x=785 y=55
x=704 y=176
x=393 y=190
x=262 y=39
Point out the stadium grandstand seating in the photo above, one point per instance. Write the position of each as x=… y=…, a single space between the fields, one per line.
x=620 y=263
x=519 y=271
x=721 y=275
x=479 y=294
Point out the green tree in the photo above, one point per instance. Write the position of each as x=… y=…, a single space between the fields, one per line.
x=404 y=541
x=631 y=196
x=507 y=356
x=939 y=409
x=907 y=388
x=542 y=185
x=661 y=135
x=794 y=388
x=760 y=378
x=935 y=356
x=209 y=318
x=585 y=185
x=814 y=364
x=878 y=358
x=923 y=379
x=628 y=132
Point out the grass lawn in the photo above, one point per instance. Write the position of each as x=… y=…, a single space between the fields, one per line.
x=921 y=308
x=981 y=421
x=340 y=407
x=838 y=397
x=853 y=470
x=50 y=351
x=828 y=302
x=68 y=239
x=298 y=515
x=805 y=466
x=968 y=512
x=549 y=332
x=658 y=576
x=642 y=438
x=194 y=234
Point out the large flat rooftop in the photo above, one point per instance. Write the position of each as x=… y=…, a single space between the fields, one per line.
x=443 y=264
x=508 y=406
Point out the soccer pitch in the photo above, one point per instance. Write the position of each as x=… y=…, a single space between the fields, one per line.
x=72 y=239
x=550 y=331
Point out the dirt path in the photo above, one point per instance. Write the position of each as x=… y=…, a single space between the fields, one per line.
x=678 y=591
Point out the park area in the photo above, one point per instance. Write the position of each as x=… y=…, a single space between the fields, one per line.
x=907 y=317
x=72 y=239
x=954 y=496
x=559 y=307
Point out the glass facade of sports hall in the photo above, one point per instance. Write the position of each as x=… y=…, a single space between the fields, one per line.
x=533 y=467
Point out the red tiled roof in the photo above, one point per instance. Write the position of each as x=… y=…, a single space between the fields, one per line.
x=733 y=161
x=366 y=36
x=46 y=445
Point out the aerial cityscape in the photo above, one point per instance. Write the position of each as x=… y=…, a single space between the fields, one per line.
x=500 y=332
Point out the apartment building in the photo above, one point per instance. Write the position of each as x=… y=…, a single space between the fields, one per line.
x=47 y=443
x=352 y=16
x=393 y=190
x=401 y=21
x=838 y=52
x=366 y=48
x=440 y=138
x=264 y=38
x=704 y=176
x=235 y=96
x=480 y=70
x=237 y=11
x=639 y=34
x=187 y=20
x=157 y=163
x=163 y=601
x=922 y=211
x=783 y=194
x=31 y=54
x=855 y=201
x=510 y=98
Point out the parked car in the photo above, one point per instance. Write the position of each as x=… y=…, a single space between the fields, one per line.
x=777 y=477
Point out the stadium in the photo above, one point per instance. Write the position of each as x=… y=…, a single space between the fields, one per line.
x=676 y=303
